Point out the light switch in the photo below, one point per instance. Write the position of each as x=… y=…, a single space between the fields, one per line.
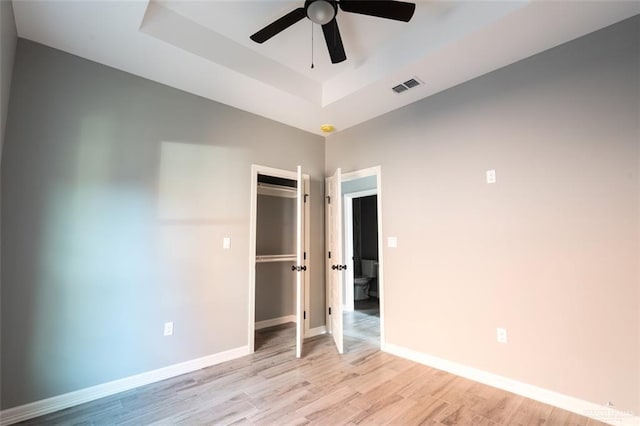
x=168 y=328
x=491 y=176
x=392 y=242
x=226 y=243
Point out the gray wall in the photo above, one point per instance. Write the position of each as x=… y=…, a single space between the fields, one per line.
x=7 y=52
x=360 y=184
x=275 y=225
x=551 y=251
x=117 y=193
x=275 y=290
x=8 y=43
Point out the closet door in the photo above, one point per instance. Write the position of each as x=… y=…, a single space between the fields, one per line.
x=335 y=264
x=300 y=264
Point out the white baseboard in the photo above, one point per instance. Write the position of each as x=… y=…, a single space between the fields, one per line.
x=60 y=402
x=275 y=321
x=316 y=331
x=584 y=408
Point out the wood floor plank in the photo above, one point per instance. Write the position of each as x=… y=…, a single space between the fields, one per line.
x=462 y=415
x=427 y=412
x=285 y=408
x=273 y=388
x=366 y=382
x=494 y=404
x=327 y=403
x=432 y=381
x=562 y=417
x=340 y=415
x=531 y=413
x=371 y=397
x=384 y=410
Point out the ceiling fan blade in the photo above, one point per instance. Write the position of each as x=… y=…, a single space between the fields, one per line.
x=397 y=10
x=334 y=41
x=279 y=25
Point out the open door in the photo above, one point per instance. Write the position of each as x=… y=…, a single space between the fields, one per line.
x=300 y=266
x=335 y=264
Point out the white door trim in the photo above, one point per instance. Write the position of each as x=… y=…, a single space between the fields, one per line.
x=300 y=297
x=307 y=250
x=286 y=174
x=375 y=171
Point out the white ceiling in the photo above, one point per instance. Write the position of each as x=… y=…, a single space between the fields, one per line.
x=203 y=47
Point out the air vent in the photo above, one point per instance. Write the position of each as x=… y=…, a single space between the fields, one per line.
x=412 y=83
x=409 y=84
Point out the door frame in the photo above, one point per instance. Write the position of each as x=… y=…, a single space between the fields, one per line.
x=357 y=174
x=253 y=214
x=347 y=206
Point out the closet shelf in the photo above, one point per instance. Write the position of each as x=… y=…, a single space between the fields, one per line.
x=277 y=190
x=264 y=258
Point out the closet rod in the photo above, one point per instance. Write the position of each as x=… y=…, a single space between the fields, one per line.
x=275 y=258
x=276 y=190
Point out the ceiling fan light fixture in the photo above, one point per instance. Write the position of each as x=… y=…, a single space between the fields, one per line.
x=321 y=12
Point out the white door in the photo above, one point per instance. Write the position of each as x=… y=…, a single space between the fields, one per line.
x=335 y=263
x=299 y=268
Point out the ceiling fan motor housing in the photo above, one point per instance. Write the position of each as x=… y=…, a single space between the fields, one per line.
x=321 y=11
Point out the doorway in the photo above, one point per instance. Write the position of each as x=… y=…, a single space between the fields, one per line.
x=360 y=321
x=361 y=307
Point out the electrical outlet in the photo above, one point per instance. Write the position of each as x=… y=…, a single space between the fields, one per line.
x=226 y=243
x=501 y=335
x=392 y=242
x=491 y=176
x=168 y=328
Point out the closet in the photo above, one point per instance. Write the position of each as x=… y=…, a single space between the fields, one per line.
x=275 y=251
x=280 y=266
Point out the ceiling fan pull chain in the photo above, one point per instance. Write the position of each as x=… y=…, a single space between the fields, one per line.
x=311 y=44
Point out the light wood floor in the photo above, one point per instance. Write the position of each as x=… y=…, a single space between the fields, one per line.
x=272 y=387
x=363 y=325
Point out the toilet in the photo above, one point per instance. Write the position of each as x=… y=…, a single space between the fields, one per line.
x=361 y=284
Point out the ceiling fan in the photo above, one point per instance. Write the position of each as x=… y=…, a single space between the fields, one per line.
x=323 y=12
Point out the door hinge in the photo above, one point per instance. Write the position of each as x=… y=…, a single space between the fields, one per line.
x=328 y=199
x=304 y=315
x=329 y=310
x=329 y=255
x=305 y=197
